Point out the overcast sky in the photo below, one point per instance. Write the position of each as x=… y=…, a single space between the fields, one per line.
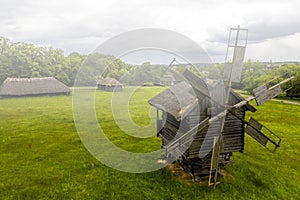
x=72 y=25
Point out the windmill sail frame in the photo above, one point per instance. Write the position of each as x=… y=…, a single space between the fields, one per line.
x=272 y=89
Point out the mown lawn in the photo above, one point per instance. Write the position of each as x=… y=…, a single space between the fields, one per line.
x=42 y=156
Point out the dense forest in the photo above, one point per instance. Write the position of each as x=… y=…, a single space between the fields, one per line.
x=23 y=60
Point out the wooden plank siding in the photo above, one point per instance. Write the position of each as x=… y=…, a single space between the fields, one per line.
x=194 y=151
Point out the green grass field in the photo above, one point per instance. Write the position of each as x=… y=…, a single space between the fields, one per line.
x=42 y=156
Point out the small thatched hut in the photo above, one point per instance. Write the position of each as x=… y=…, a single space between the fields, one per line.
x=167 y=80
x=17 y=87
x=110 y=84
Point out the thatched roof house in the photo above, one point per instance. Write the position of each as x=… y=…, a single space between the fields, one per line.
x=110 y=84
x=17 y=87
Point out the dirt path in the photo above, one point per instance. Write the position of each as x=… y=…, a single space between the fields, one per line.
x=286 y=102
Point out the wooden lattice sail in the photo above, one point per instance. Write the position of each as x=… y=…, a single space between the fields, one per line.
x=272 y=89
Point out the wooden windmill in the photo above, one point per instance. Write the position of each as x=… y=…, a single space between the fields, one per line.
x=202 y=122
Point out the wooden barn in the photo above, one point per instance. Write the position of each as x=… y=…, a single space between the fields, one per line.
x=110 y=84
x=18 y=87
x=188 y=123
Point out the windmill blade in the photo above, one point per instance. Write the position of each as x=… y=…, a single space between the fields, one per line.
x=270 y=90
x=218 y=113
x=216 y=95
x=260 y=133
x=235 y=54
x=232 y=73
x=233 y=70
x=263 y=135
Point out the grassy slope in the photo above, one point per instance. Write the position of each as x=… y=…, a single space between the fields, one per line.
x=43 y=157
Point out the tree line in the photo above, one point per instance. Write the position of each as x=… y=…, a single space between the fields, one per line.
x=23 y=60
x=255 y=74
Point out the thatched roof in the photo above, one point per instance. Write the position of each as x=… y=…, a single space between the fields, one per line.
x=109 y=82
x=32 y=86
x=177 y=100
x=167 y=77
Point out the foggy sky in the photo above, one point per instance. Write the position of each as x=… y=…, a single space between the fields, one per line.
x=81 y=26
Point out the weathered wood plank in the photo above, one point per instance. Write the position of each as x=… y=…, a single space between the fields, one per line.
x=258 y=136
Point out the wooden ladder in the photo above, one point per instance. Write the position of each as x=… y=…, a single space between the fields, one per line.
x=214 y=163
